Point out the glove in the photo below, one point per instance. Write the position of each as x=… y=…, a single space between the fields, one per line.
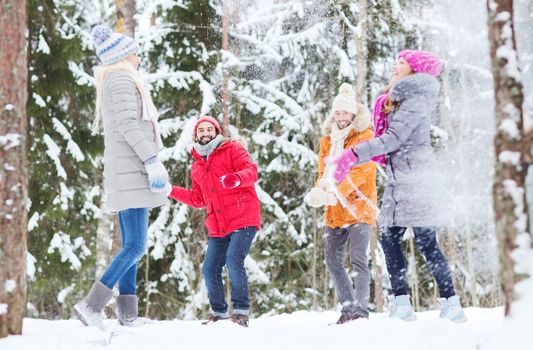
x=329 y=199
x=317 y=197
x=326 y=183
x=342 y=165
x=313 y=197
x=157 y=175
x=230 y=180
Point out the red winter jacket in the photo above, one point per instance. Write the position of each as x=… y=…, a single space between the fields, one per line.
x=227 y=209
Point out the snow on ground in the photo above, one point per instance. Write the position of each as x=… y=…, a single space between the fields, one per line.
x=299 y=330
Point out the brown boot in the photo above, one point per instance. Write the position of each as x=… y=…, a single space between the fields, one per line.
x=241 y=320
x=214 y=318
x=347 y=318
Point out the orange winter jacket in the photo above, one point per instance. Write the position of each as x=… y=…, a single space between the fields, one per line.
x=361 y=196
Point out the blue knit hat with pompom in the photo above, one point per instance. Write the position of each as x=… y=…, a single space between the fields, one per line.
x=112 y=47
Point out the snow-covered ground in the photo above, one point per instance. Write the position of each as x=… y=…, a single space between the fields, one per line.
x=300 y=330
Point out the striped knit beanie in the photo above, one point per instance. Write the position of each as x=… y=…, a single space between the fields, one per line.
x=112 y=47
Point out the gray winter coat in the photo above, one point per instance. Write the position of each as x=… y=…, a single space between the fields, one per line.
x=413 y=191
x=129 y=141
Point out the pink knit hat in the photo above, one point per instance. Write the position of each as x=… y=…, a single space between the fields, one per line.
x=422 y=61
x=208 y=119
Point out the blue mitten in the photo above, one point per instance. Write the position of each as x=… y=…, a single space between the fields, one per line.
x=157 y=174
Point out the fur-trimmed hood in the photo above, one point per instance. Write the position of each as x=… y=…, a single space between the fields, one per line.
x=415 y=84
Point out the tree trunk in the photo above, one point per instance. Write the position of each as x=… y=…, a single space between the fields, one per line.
x=103 y=242
x=13 y=172
x=126 y=10
x=446 y=115
x=452 y=256
x=314 y=262
x=378 y=284
x=471 y=261
x=509 y=202
x=361 y=46
x=225 y=88
x=465 y=129
x=415 y=295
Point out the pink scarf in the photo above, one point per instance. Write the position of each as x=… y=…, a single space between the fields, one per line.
x=380 y=124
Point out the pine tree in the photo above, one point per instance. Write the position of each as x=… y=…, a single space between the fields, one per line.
x=13 y=172
x=64 y=184
x=510 y=206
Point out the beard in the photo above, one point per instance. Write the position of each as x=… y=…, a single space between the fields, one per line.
x=204 y=140
x=343 y=124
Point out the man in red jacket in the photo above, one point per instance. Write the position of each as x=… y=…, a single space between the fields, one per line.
x=223 y=177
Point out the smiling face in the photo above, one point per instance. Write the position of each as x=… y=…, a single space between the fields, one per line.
x=400 y=70
x=343 y=119
x=205 y=132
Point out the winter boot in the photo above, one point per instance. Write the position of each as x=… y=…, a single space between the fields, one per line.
x=241 y=320
x=400 y=307
x=348 y=317
x=127 y=311
x=89 y=309
x=451 y=309
x=215 y=318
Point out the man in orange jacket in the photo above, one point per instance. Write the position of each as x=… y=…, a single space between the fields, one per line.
x=350 y=205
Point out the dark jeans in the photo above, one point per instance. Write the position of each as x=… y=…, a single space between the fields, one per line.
x=231 y=251
x=426 y=242
x=133 y=234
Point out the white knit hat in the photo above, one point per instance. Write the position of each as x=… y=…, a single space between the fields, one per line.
x=345 y=101
x=112 y=47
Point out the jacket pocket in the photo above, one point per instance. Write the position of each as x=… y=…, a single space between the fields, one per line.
x=235 y=205
x=209 y=208
x=210 y=220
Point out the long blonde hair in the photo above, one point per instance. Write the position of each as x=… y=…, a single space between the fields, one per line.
x=100 y=74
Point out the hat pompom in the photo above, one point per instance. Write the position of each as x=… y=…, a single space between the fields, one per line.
x=346 y=89
x=100 y=34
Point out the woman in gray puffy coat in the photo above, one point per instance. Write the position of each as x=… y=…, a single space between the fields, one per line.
x=411 y=195
x=135 y=180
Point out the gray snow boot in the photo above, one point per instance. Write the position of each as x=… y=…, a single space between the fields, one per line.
x=89 y=309
x=127 y=311
x=400 y=307
x=451 y=309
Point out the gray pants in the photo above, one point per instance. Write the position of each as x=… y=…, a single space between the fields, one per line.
x=353 y=301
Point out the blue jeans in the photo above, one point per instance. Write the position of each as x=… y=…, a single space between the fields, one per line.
x=133 y=234
x=231 y=251
x=426 y=242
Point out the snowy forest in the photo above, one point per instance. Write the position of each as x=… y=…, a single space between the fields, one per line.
x=268 y=71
